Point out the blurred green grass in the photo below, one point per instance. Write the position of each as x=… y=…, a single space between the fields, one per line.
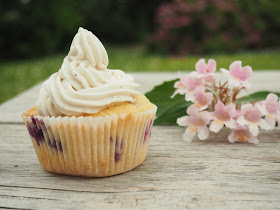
x=17 y=76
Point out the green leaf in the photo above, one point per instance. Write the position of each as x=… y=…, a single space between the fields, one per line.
x=168 y=109
x=257 y=96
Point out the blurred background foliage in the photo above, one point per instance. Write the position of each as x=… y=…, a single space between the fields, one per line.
x=31 y=28
x=146 y=35
x=205 y=26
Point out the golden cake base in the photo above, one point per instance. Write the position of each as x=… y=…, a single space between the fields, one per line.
x=110 y=142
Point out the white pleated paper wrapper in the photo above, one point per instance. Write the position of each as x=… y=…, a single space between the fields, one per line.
x=91 y=146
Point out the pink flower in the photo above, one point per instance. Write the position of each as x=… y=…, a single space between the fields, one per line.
x=238 y=74
x=192 y=84
x=197 y=124
x=205 y=71
x=271 y=109
x=252 y=117
x=201 y=98
x=186 y=85
x=223 y=115
x=242 y=134
x=203 y=68
x=181 y=86
x=238 y=114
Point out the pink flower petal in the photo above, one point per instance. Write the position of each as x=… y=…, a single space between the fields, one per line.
x=219 y=106
x=197 y=118
x=247 y=72
x=253 y=115
x=203 y=132
x=264 y=125
x=245 y=108
x=271 y=98
x=238 y=114
x=199 y=90
x=216 y=126
x=226 y=72
x=181 y=86
x=235 y=68
x=221 y=112
x=211 y=65
x=189 y=134
x=205 y=116
x=231 y=110
x=253 y=140
x=175 y=93
x=231 y=138
x=192 y=83
x=234 y=82
x=183 y=121
x=202 y=98
x=271 y=121
x=242 y=134
x=203 y=68
x=239 y=75
x=200 y=66
x=189 y=96
x=208 y=78
x=192 y=110
x=261 y=107
x=209 y=97
x=246 y=84
x=271 y=104
x=183 y=79
x=254 y=130
x=231 y=124
x=241 y=121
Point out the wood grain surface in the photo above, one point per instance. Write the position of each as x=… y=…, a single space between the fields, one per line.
x=202 y=174
x=210 y=174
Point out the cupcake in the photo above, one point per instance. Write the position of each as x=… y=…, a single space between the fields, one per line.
x=90 y=120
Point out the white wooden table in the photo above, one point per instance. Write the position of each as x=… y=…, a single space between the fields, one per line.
x=210 y=174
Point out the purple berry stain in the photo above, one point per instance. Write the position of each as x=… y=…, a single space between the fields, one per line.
x=148 y=131
x=118 y=149
x=35 y=130
x=55 y=145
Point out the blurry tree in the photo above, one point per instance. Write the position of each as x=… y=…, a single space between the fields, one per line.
x=36 y=27
x=120 y=21
x=32 y=28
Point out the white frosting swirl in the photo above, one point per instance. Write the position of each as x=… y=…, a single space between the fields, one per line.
x=84 y=84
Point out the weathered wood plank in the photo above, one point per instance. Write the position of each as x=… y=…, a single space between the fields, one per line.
x=201 y=174
x=11 y=110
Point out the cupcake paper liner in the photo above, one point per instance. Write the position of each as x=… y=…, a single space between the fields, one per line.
x=91 y=146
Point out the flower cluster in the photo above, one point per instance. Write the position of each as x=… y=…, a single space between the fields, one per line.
x=215 y=104
x=187 y=26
